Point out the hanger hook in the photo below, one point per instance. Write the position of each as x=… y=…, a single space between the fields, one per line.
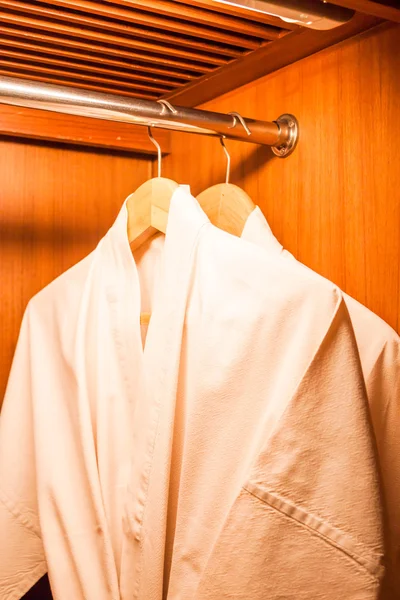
x=236 y=116
x=228 y=159
x=159 y=153
x=166 y=104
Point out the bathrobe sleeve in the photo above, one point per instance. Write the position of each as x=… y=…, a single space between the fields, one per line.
x=22 y=560
x=52 y=517
x=384 y=390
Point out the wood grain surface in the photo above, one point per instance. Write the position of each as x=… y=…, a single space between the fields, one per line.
x=335 y=203
x=18 y=121
x=268 y=58
x=389 y=10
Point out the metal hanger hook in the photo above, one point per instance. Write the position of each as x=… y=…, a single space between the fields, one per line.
x=159 y=153
x=237 y=117
x=228 y=159
x=168 y=105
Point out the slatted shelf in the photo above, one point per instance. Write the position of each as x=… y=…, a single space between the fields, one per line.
x=144 y=48
x=185 y=50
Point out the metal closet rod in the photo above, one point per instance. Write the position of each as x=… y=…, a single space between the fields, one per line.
x=281 y=134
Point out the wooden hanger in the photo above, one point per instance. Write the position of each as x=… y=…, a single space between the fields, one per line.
x=148 y=209
x=148 y=206
x=226 y=205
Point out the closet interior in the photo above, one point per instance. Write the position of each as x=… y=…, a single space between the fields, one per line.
x=307 y=109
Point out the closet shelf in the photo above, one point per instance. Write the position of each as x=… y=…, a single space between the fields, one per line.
x=148 y=46
x=188 y=50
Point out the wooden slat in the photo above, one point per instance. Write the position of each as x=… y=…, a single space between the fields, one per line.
x=197 y=15
x=88 y=77
x=104 y=50
x=369 y=7
x=45 y=125
x=241 y=12
x=271 y=57
x=162 y=23
x=125 y=42
x=98 y=59
x=85 y=21
x=28 y=58
x=26 y=73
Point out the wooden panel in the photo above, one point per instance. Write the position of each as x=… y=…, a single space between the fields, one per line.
x=106 y=38
x=101 y=25
x=85 y=131
x=204 y=17
x=166 y=24
x=87 y=49
x=55 y=72
x=335 y=203
x=384 y=10
x=270 y=57
x=91 y=59
x=82 y=67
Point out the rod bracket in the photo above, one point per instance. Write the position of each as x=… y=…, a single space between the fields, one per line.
x=290 y=125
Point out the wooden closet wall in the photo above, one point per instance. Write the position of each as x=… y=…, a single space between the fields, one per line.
x=56 y=204
x=335 y=203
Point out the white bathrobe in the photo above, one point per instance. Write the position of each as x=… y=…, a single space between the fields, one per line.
x=231 y=457
x=379 y=349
